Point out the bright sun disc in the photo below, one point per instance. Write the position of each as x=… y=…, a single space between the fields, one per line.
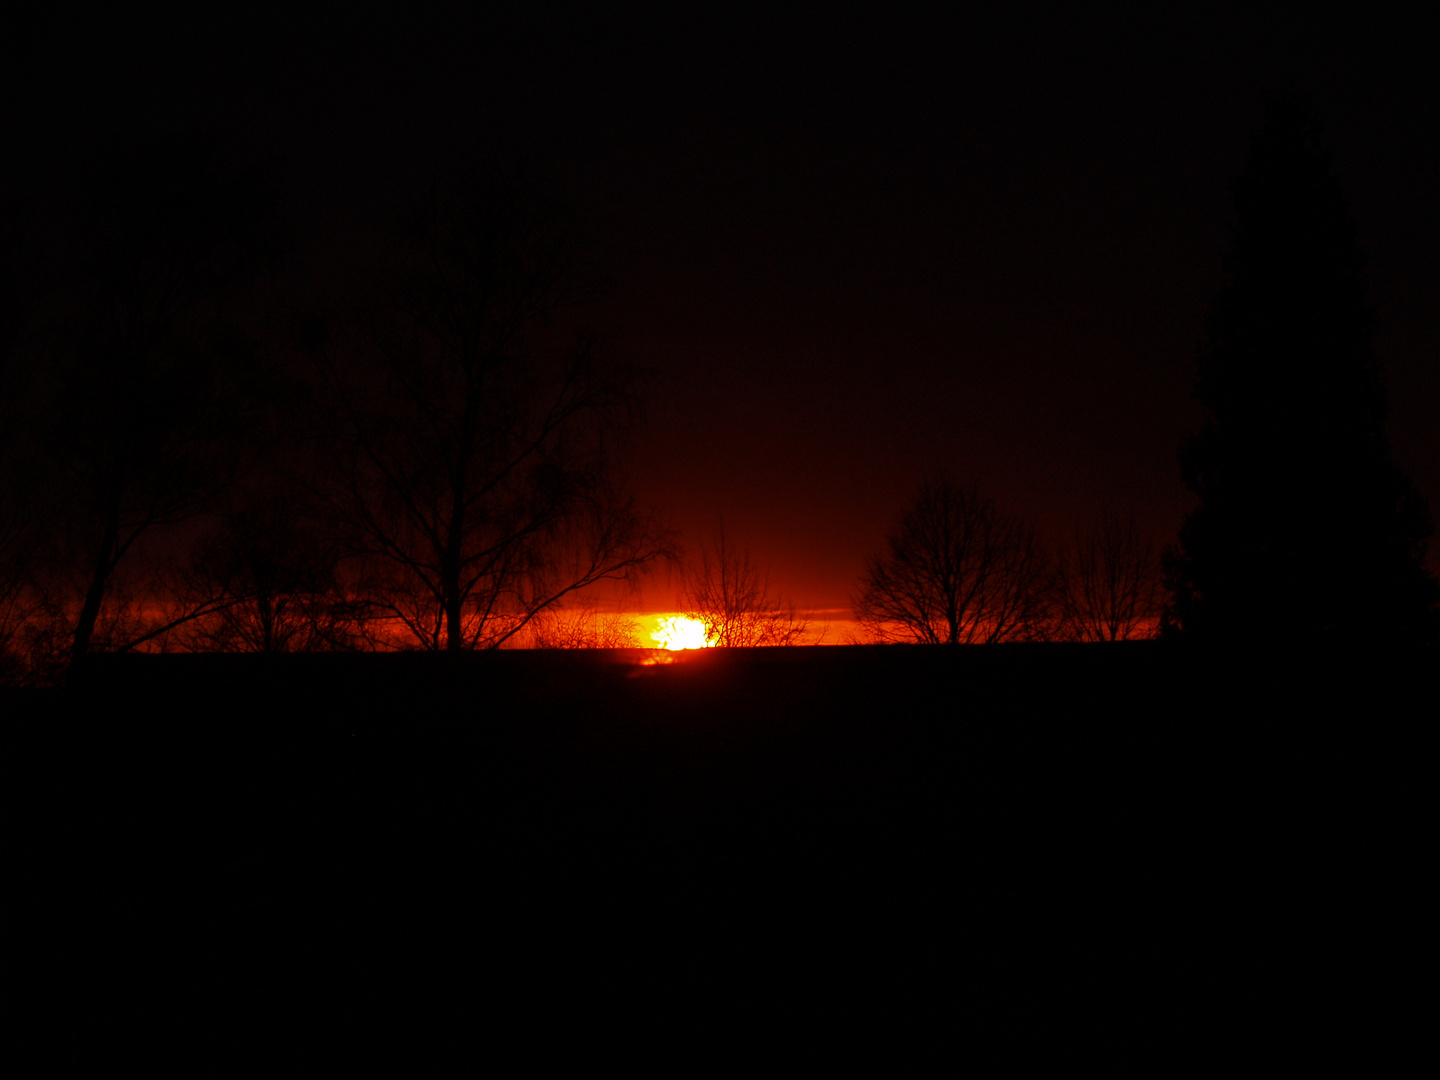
x=678 y=632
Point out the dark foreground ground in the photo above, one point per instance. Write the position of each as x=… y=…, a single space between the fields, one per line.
x=439 y=864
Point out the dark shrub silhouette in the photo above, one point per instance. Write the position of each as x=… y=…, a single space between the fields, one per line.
x=584 y=627
x=1306 y=529
x=268 y=580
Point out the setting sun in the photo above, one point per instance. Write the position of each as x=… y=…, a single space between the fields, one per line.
x=678 y=632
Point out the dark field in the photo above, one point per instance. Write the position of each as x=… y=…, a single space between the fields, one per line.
x=1001 y=852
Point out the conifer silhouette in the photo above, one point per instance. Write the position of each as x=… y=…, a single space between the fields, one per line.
x=1306 y=529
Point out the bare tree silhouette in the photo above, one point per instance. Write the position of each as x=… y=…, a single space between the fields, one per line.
x=956 y=570
x=477 y=446
x=1109 y=582
x=731 y=596
x=149 y=403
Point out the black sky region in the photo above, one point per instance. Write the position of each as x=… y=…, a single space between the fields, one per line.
x=854 y=246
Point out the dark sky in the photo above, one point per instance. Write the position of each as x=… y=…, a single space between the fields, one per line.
x=853 y=246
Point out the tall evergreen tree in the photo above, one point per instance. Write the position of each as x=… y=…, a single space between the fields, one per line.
x=1306 y=529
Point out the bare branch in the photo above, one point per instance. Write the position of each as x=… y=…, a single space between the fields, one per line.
x=731 y=597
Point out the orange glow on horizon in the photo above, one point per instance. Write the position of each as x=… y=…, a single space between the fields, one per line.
x=679 y=632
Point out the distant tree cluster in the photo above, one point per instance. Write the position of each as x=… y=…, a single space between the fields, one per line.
x=188 y=462
x=958 y=570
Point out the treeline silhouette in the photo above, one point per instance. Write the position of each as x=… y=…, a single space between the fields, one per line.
x=203 y=451
x=198 y=455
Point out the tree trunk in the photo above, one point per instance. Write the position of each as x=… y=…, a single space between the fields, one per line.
x=454 y=636
x=95 y=594
x=450 y=592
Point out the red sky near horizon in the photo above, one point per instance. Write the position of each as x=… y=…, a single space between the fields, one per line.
x=853 y=250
